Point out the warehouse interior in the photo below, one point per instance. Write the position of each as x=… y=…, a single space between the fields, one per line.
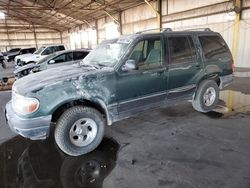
x=165 y=147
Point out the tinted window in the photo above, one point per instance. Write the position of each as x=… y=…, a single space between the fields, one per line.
x=39 y=50
x=63 y=58
x=48 y=51
x=24 y=51
x=79 y=55
x=147 y=53
x=181 y=49
x=214 y=47
x=32 y=50
x=61 y=47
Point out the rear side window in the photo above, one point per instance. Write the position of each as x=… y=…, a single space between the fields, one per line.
x=79 y=55
x=181 y=49
x=61 y=47
x=214 y=47
x=32 y=50
x=23 y=51
x=63 y=58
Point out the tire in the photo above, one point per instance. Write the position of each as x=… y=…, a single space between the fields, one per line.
x=79 y=130
x=84 y=171
x=3 y=65
x=207 y=103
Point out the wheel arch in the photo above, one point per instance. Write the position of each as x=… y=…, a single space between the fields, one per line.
x=97 y=104
x=213 y=76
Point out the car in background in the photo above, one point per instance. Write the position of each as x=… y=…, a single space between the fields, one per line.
x=11 y=56
x=66 y=57
x=13 y=50
x=38 y=55
x=2 y=60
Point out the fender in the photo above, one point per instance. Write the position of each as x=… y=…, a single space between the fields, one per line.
x=104 y=107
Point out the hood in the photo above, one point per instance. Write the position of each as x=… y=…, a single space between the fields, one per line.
x=48 y=77
x=31 y=57
x=22 y=56
x=29 y=66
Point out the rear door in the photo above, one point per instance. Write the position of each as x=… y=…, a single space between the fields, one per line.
x=184 y=67
x=216 y=52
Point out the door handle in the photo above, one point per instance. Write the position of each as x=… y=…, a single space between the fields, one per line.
x=198 y=66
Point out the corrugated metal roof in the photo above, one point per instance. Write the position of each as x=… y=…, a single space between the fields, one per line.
x=64 y=14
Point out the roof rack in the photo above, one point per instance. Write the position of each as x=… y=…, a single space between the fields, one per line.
x=161 y=30
x=199 y=29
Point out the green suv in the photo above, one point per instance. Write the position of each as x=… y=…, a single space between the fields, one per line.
x=117 y=80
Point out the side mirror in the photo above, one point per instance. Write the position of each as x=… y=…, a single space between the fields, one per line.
x=129 y=65
x=52 y=61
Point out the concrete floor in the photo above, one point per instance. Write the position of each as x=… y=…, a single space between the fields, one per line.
x=175 y=147
x=8 y=72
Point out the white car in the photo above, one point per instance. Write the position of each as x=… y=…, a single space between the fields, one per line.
x=18 y=57
x=37 y=55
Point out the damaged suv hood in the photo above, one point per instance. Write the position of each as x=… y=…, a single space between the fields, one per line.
x=49 y=77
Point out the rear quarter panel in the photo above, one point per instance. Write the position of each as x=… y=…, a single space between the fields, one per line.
x=220 y=66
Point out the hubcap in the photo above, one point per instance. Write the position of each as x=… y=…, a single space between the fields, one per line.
x=83 y=132
x=209 y=96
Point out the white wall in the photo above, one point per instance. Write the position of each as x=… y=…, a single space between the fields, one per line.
x=16 y=36
x=197 y=14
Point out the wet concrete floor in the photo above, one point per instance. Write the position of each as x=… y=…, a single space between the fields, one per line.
x=175 y=147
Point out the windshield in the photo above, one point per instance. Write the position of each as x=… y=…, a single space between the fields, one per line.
x=47 y=58
x=39 y=50
x=107 y=54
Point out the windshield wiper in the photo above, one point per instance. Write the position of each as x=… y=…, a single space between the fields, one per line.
x=101 y=65
x=88 y=65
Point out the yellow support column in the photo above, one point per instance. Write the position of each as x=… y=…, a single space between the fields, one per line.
x=237 y=9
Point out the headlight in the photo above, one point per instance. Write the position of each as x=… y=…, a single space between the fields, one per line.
x=24 y=105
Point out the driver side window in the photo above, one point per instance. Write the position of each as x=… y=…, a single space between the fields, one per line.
x=63 y=58
x=147 y=54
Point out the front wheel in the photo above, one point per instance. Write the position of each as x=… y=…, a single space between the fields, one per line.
x=206 y=97
x=79 y=130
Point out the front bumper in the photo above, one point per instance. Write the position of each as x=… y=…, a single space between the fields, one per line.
x=225 y=80
x=33 y=128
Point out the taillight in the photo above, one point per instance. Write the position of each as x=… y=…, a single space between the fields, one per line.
x=233 y=67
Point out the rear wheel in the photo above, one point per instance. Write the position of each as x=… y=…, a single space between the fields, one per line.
x=206 y=97
x=79 y=130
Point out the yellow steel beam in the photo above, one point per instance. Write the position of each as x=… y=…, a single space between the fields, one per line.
x=237 y=8
x=113 y=18
x=158 y=12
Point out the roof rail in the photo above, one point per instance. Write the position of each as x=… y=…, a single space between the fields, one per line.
x=199 y=29
x=161 y=30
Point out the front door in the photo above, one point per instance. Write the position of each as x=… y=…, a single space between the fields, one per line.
x=184 y=66
x=146 y=86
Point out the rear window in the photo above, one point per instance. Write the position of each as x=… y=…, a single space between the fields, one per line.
x=61 y=47
x=79 y=55
x=181 y=49
x=214 y=47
